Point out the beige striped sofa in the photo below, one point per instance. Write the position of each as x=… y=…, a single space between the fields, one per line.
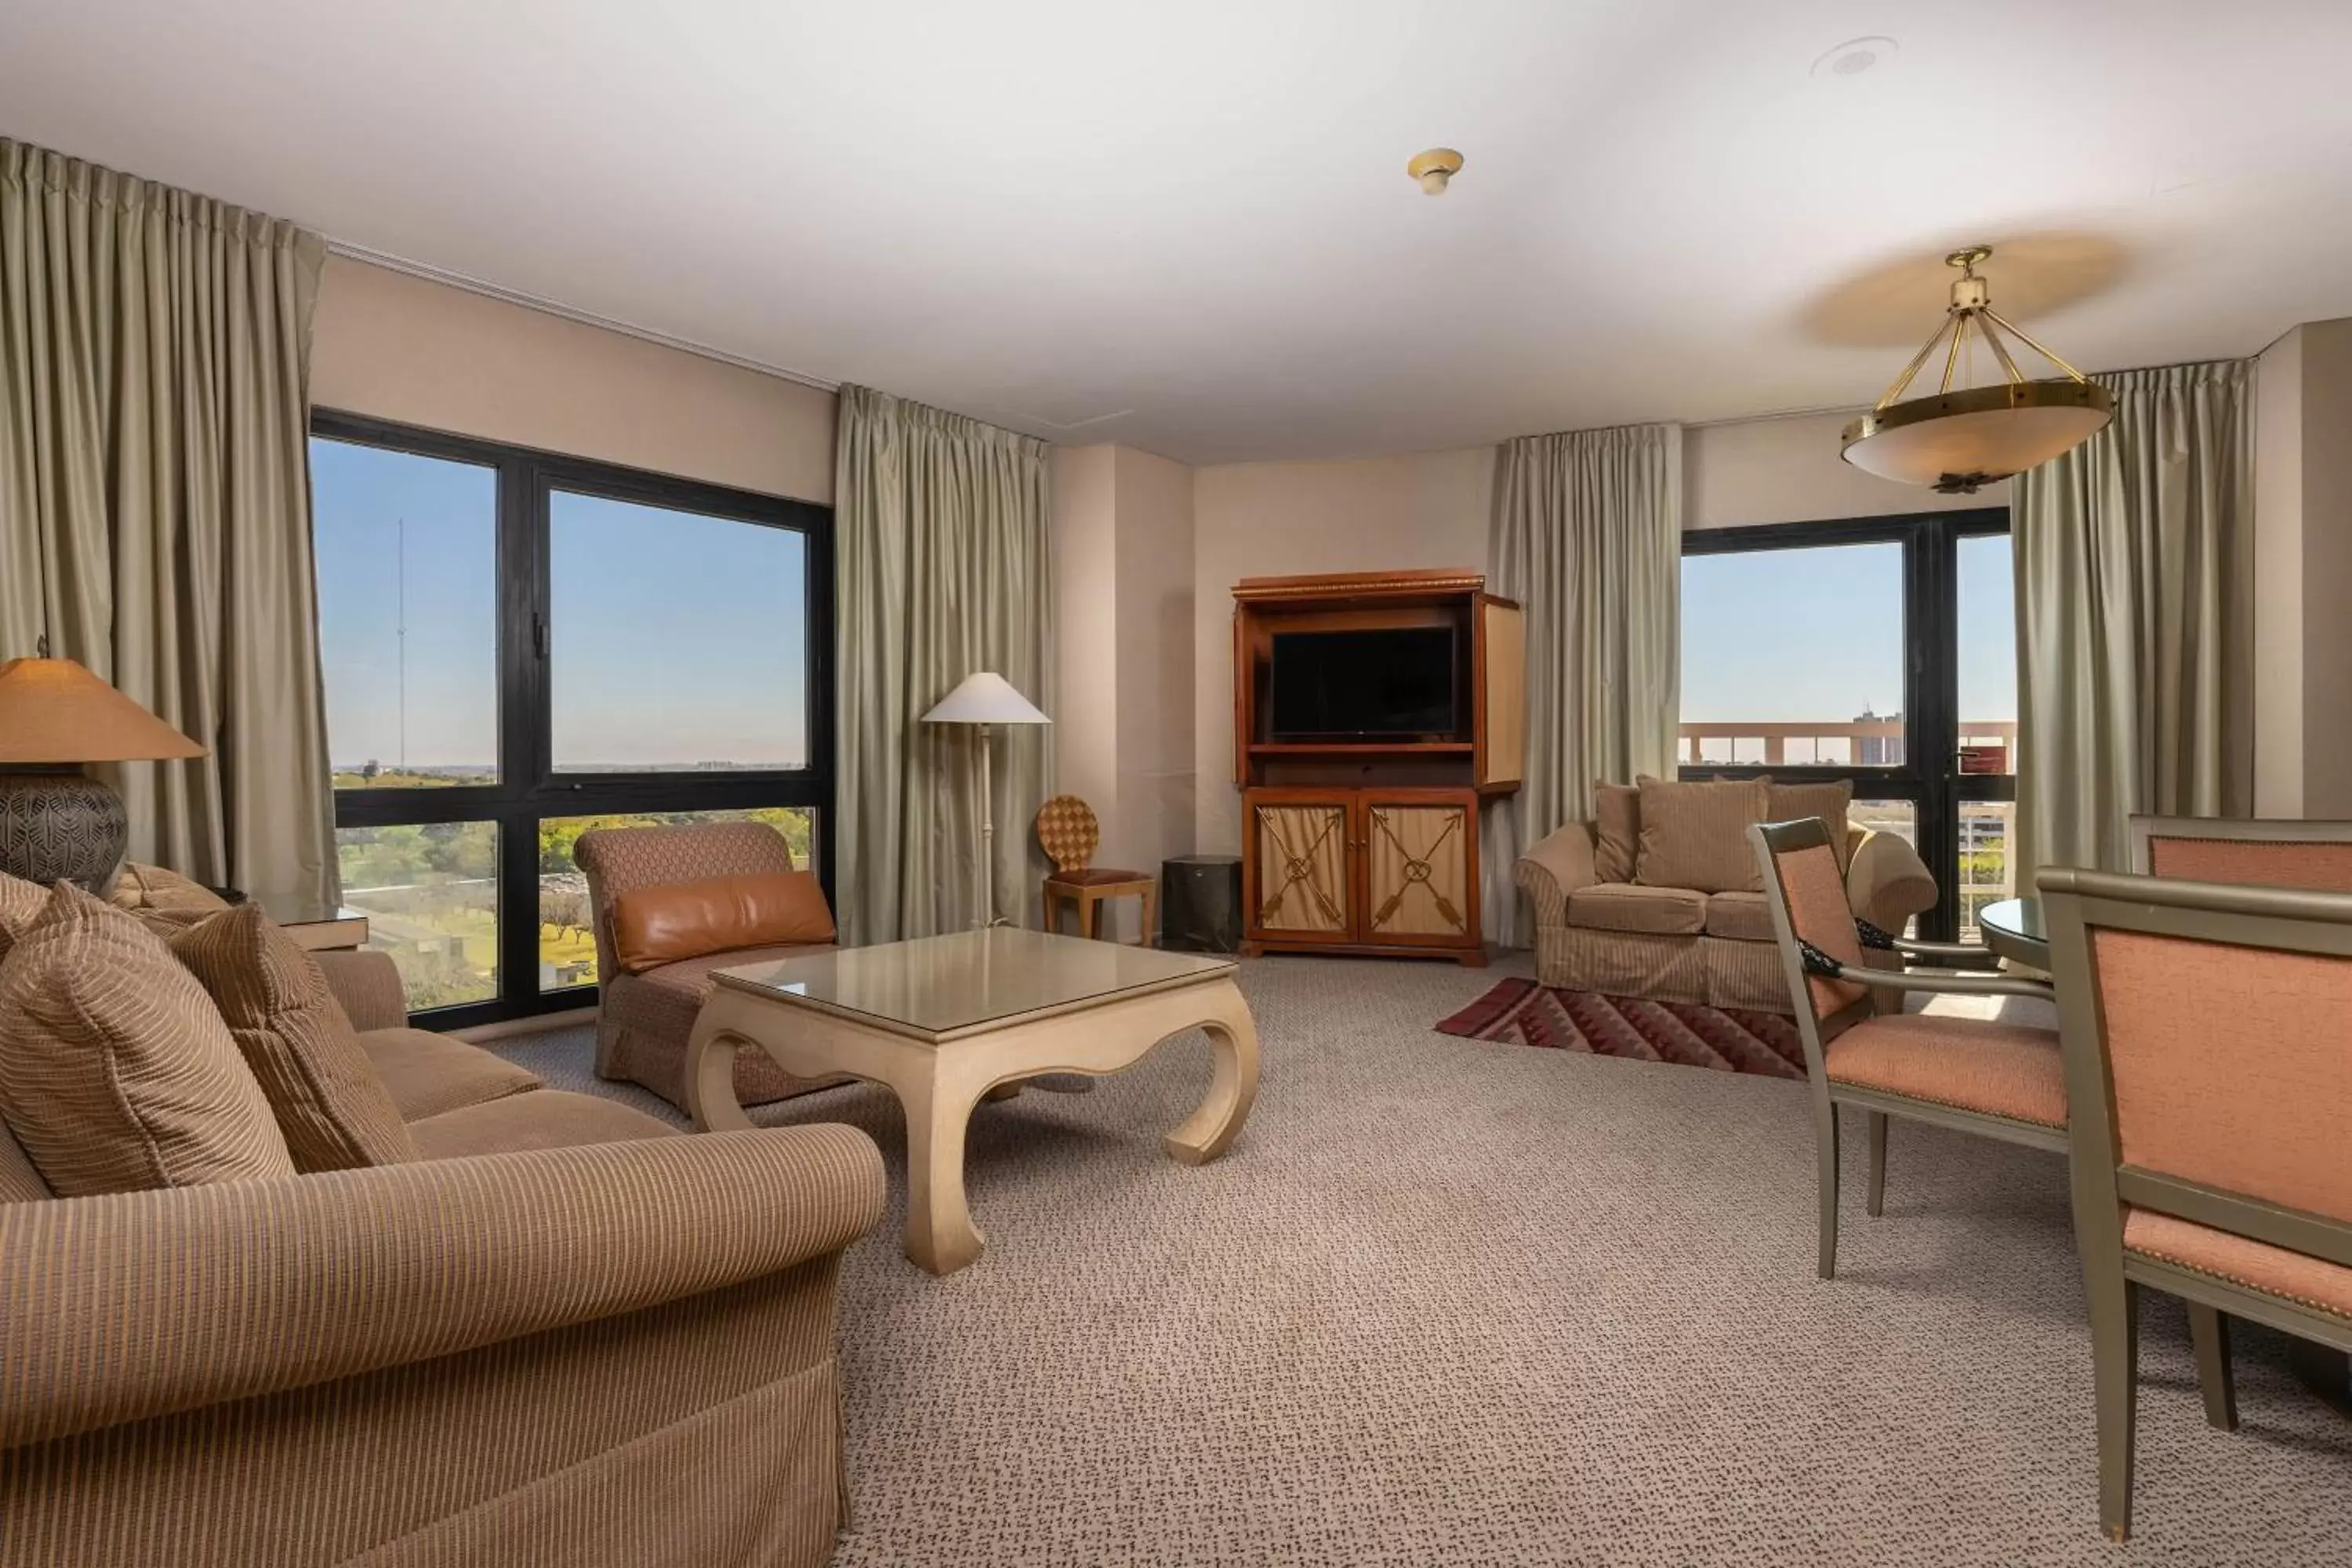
x=567 y=1335
x=1598 y=927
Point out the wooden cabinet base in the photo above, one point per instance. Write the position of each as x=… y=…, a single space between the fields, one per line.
x=1371 y=872
x=1467 y=958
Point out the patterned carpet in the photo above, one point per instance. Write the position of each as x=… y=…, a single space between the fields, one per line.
x=1473 y=1304
x=1523 y=1012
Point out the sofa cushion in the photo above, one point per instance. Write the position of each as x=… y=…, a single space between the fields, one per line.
x=426 y=1074
x=1623 y=906
x=1742 y=917
x=1696 y=835
x=1616 y=830
x=1791 y=803
x=1973 y=1064
x=19 y=1181
x=551 y=1119
x=654 y=926
x=21 y=904
x=327 y=1099
x=116 y=1071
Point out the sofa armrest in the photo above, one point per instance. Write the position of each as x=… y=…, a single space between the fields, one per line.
x=367 y=985
x=1556 y=867
x=1887 y=883
x=137 y=1305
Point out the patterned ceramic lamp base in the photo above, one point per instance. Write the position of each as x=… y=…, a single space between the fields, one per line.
x=60 y=826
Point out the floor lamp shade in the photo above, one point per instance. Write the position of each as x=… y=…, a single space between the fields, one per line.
x=986 y=699
x=57 y=824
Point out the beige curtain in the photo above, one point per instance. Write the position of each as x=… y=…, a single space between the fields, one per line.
x=154 y=499
x=2134 y=618
x=940 y=529
x=1587 y=536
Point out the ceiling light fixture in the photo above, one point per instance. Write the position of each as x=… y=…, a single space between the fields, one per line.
x=1954 y=441
x=1433 y=168
x=1855 y=56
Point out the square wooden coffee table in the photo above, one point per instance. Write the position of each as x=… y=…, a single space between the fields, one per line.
x=942 y=1020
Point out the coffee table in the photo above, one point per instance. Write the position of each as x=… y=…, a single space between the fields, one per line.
x=942 y=1020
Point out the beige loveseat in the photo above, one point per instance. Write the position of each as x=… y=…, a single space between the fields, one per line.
x=565 y=1335
x=1600 y=928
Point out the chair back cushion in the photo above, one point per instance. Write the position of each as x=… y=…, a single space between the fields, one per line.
x=1696 y=835
x=1069 y=833
x=116 y=1072
x=655 y=926
x=2232 y=1066
x=1616 y=831
x=620 y=860
x=1820 y=914
x=2318 y=865
x=336 y=1113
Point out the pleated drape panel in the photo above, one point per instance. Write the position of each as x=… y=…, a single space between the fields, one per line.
x=2135 y=618
x=1587 y=536
x=942 y=539
x=155 y=499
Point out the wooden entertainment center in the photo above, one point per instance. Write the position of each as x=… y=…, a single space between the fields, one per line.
x=1367 y=844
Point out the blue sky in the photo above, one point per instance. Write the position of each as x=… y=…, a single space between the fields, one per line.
x=673 y=639
x=1817 y=634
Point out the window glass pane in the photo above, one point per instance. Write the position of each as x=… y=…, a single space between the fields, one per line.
x=567 y=942
x=678 y=641
x=1794 y=656
x=1985 y=876
x=1987 y=657
x=407 y=572
x=430 y=894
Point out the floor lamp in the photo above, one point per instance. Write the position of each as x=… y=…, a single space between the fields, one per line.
x=985 y=699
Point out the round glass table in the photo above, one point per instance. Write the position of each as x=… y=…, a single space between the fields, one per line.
x=2012 y=927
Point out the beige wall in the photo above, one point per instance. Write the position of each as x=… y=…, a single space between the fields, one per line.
x=405 y=348
x=1787 y=470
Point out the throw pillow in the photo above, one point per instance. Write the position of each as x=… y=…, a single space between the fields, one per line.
x=1696 y=835
x=117 y=1074
x=1617 y=830
x=21 y=904
x=1788 y=803
x=139 y=885
x=334 y=1111
x=655 y=926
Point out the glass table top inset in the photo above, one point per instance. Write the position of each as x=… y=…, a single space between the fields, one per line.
x=939 y=987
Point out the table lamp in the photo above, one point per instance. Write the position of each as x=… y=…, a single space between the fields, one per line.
x=984 y=699
x=56 y=823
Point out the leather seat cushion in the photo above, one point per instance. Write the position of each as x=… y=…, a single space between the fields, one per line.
x=1627 y=906
x=678 y=921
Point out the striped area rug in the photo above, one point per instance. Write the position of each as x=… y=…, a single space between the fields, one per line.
x=1524 y=1012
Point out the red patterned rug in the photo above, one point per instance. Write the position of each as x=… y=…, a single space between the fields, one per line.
x=1527 y=1014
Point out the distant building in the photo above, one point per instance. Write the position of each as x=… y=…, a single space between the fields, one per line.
x=1877 y=751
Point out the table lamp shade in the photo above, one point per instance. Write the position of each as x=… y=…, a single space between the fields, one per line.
x=985 y=699
x=52 y=711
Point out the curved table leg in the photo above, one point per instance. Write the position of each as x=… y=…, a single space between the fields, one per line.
x=1233 y=1033
x=711 y=1074
x=940 y=1236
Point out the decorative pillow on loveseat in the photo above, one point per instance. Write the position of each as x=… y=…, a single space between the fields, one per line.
x=1616 y=831
x=1791 y=803
x=117 y=1074
x=335 y=1112
x=1695 y=835
x=655 y=926
x=21 y=904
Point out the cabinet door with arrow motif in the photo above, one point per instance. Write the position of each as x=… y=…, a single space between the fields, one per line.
x=1420 y=867
x=1297 y=864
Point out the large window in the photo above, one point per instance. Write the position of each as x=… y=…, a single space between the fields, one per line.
x=1881 y=652
x=519 y=648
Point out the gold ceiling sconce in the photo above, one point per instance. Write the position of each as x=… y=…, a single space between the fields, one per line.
x=1954 y=441
x=1432 y=170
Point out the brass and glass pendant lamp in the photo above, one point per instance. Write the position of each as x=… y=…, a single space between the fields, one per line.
x=1956 y=439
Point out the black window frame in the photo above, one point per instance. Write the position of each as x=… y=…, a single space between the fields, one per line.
x=1929 y=776
x=528 y=789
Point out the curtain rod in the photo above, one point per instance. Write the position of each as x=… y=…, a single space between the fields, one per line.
x=432 y=274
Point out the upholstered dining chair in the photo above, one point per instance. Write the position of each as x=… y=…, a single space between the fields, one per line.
x=2313 y=856
x=1977 y=1075
x=2208 y=1045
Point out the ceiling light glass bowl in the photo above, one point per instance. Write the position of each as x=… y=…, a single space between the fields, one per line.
x=1957 y=440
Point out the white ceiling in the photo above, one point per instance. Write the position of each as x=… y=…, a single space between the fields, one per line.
x=1189 y=221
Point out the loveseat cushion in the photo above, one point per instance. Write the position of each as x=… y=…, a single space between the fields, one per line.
x=1624 y=906
x=117 y=1074
x=1695 y=835
x=1616 y=830
x=1742 y=917
x=426 y=1074
x=1794 y=802
x=550 y=1119
x=659 y=925
x=327 y=1099
x=19 y=1181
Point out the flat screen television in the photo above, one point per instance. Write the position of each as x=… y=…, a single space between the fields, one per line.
x=1343 y=686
